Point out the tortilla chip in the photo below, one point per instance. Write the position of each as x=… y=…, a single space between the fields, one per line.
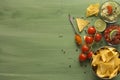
x=107 y=62
x=93 y=9
x=81 y=23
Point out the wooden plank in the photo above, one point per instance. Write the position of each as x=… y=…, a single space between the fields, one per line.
x=37 y=41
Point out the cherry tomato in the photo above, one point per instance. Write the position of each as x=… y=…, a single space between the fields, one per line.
x=109 y=8
x=89 y=39
x=85 y=48
x=82 y=57
x=91 y=30
x=89 y=54
x=98 y=37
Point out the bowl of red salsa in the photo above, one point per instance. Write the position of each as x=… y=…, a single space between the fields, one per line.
x=112 y=34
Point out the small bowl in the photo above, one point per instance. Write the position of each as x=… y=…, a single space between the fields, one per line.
x=94 y=68
x=114 y=15
x=112 y=35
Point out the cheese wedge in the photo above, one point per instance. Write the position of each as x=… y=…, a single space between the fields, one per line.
x=81 y=23
x=93 y=9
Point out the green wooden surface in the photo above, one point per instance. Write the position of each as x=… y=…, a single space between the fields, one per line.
x=37 y=41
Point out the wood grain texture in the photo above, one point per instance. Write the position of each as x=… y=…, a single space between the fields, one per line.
x=37 y=41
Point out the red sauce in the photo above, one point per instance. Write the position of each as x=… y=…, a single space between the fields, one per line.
x=116 y=38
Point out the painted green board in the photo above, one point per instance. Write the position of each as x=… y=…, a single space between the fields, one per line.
x=37 y=41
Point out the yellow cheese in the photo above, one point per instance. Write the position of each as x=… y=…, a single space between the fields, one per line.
x=81 y=23
x=93 y=9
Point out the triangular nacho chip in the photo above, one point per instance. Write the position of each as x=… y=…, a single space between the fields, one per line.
x=81 y=23
x=93 y=9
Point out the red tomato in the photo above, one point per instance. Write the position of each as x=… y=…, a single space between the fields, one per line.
x=91 y=30
x=82 y=57
x=109 y=8
x=85 y=48
x=89 y=54
x=98 y=37
x=89 y=39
